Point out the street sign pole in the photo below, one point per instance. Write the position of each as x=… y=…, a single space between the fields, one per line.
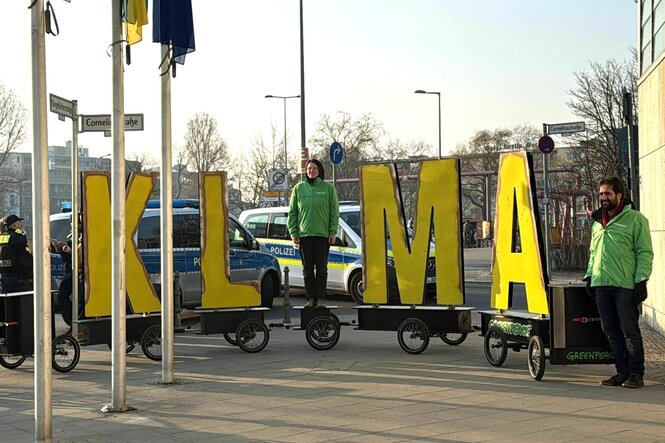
x=546 y=202
x=75 y=213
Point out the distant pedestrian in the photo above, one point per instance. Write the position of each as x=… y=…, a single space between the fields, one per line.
x=313 y=222
x=15 y=256
x=620 y=262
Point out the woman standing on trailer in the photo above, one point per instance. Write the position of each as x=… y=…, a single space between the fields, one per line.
x=313 y=223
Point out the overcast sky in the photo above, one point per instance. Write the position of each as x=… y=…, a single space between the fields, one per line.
x=497 y=63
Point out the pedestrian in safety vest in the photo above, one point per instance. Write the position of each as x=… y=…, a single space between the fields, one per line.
x=15 y=256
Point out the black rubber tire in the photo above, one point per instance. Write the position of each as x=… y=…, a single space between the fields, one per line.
x=536 y=357
x=66 y=353
x=267 y=291
x=11 y=361
x=322 y=332
x=356 y=287
x=495 y=339
x=413 y=335
x=230 y=338
x=454 y=338
x=252 y=335
x=335 y=318
x=129 y=348
x=151 y=342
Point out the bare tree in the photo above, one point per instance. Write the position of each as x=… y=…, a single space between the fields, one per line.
x=13 y=116
x=249 y=175
x=141 y=161
x=598 y=99
x=185 y=183
x=204 y=148
x=360 y=139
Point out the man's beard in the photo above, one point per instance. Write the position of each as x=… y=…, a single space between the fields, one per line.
x=610 y=205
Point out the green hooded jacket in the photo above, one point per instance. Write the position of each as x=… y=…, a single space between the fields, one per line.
x=620 y=253
x=314 y=210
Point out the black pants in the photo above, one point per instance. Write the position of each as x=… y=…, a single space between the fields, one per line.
x=314 y=255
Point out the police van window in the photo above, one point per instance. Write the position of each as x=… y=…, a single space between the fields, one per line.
x=352 y=219
x=60 y=229
x=236 y=235
x=258 y=225
x=148 y=234
x=279 y=227
x=186 y=231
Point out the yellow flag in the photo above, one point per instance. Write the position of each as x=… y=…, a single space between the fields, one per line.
x=136 y=15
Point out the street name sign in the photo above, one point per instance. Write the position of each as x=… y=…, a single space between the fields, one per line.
x=566 y=128
x=61 y=106
x=102 y=122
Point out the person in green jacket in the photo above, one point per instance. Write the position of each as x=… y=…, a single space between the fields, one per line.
x=313 y=222
x=620 y=262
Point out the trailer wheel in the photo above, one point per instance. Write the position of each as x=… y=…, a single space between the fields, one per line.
x=151 y=342
x=66 y=353
x=11 y=361
x=252 y=335
x=322 y=332
x=536 y=360
x=453 y=338
x=496 y=346
x=230 y=337
x=413 y=335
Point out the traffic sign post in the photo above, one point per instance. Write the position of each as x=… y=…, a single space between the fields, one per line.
x=69 y=109
x=336 y=157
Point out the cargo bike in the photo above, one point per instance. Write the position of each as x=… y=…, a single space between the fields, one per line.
x=571 y=334
x=17 y=335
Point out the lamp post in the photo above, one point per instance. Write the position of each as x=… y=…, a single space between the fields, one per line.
x=284 y=98
x=438 y=94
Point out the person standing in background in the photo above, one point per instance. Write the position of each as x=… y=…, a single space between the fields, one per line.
x=15 y=256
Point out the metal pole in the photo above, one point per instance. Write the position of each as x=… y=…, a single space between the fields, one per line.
x=118 y=294
x=303 y=139
x=166 y=214
x=40 y=210
x=439 y=96
x=287 y=299
x=75 y=213
x=546 y=202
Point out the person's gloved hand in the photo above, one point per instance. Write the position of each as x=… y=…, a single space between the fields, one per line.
x=640 y=292
x=589 y=289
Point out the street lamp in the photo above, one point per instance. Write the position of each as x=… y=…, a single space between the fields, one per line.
x=284 y=98
x=420 y=91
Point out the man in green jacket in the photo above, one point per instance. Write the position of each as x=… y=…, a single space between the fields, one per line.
x=620 y=261
x=313 y=223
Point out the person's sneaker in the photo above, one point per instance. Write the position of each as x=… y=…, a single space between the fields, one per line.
x=321 y=305
x=310 y=303
x=615 y=380
x=634 y=382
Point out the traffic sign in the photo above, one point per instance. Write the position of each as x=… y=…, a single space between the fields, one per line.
x=566 y=128
x=278 y=180
x=336 y=153
x=61 y=106
x=546 y=144
x=102 y=122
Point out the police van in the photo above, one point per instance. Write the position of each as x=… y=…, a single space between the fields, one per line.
x=269 y=226
x=249 y=260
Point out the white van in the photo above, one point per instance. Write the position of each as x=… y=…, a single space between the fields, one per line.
x=269 y=226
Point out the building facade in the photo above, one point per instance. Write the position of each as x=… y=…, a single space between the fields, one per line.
x=651 y=92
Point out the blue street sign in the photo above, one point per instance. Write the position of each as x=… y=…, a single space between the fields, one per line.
x=546 y=144
x=336 y=153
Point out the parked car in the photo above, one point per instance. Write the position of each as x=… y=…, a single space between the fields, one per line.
x=269 y=226
x=249 y=260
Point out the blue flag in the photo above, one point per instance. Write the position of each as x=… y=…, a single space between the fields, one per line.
x=173 y=24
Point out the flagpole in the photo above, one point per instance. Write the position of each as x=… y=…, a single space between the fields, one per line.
x=166 y=214
x=118 y=289
x=43 y=350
